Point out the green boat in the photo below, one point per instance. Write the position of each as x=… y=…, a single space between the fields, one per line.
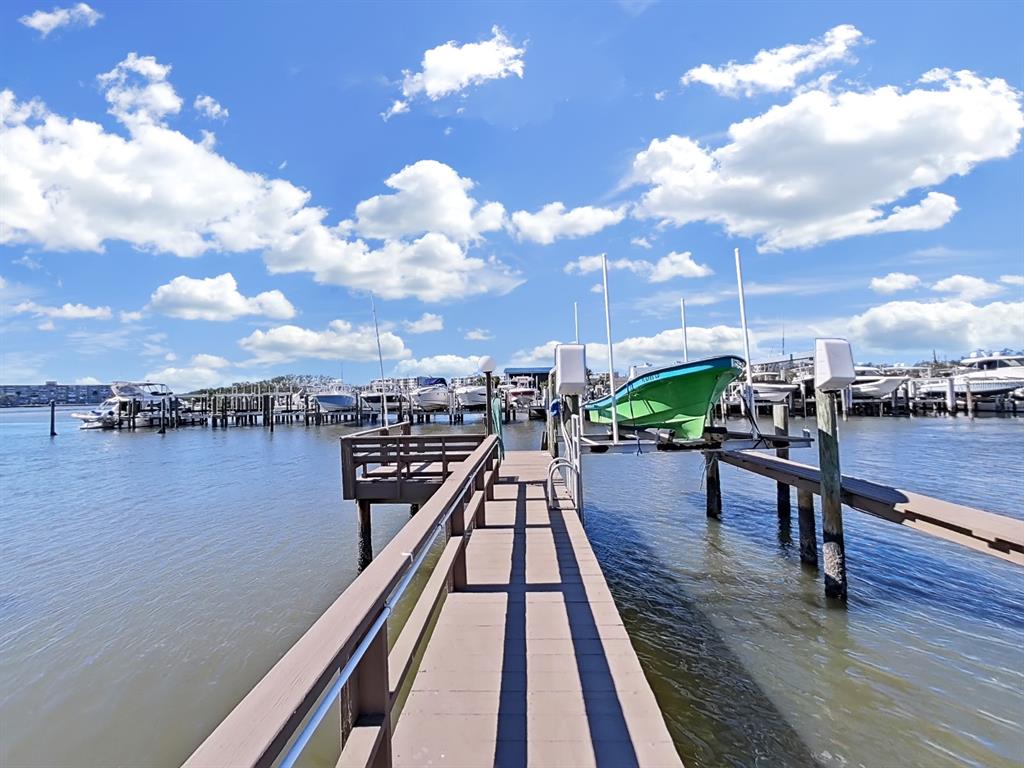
x=676 y=397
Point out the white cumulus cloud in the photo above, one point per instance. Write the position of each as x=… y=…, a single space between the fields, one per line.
x=894 y=282
x=827 y=166
x=478 y=334
x=1012 y=279
x=202 y=372
x=162 y=191
x=216 y=298
x=678 y=265
x=210 y=107
x=554 y=221
x=63 y=312
x=451 y=68
x=778 y=69
x=78 y=15
x=951 y=324
x=429 y=197
x=967 y=287
x=661 y=348
x=440 y=365
x=584 y=265
x=428 y=323
x=339 y=341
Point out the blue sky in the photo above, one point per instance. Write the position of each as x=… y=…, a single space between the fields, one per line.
x=204 y=192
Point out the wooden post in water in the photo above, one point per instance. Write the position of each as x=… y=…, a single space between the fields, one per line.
x=713 y=482
x=951 y=395
x=969 y=396
x=808 y=534
x=833 y=547
x=365 y=535
x=163 y=421
x=780 y=415
x=53 y=418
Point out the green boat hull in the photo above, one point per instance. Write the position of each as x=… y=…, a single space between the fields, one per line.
x=676 y=397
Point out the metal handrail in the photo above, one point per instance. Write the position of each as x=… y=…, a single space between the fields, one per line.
x=239 y=740
x=357 y=655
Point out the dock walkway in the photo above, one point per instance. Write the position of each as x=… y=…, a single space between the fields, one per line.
x=529 y=664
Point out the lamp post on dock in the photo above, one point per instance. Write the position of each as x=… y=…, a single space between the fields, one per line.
x=487 y=366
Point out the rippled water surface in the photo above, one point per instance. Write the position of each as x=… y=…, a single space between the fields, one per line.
x=147 y=582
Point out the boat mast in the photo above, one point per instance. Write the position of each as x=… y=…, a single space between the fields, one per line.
x=611 y=359
x=682 y=317
x=380 y=358
x=746 y=337
x=576 y=319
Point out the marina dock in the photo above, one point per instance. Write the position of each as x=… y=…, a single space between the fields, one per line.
x=513 y=653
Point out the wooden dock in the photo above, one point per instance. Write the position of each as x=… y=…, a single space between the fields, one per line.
x=529 y=664
x=513 y=653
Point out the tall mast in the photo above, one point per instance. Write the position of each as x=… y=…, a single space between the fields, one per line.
x=746 y=336
x=380 y=358
x=611 y=359
x=682 y=318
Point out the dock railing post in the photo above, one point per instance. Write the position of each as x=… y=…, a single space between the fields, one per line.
x=780 y=416
x=833 y=546
x=808 y=533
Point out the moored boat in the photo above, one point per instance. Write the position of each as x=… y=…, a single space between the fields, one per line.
x=148 y=397
x=676 y=397
x=472 y=396
x=432 y=396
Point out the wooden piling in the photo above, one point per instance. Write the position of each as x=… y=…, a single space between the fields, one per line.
x=365 y=535
x=808 y=534
x=970 y=397
x=713 y=482
x=780 y=415
x=833 y=547
x=53 y=418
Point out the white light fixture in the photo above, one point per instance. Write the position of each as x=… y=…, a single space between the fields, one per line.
x=487 y=364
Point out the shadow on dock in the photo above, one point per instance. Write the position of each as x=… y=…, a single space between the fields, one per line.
x=716 y=712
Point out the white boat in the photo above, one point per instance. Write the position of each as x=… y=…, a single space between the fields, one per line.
x=986 y=375
x=432 y=396
x=337 y=397
x=151 y=398
x=768 y=388
x=372 y=399
x=873 y=384
x=520 y=391
x=472 y=396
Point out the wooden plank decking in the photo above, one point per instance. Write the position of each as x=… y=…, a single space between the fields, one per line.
x=530 y=664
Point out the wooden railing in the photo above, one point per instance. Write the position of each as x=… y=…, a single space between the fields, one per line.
x=347 y=648
x=406 y=468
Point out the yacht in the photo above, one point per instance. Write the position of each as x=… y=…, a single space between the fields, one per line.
x=337 y=396
x=150 y=396
x=874 y=384
x=986 y=374
x=472 y=396
x=432 y=395
x=520 y=391
x=382 y=391
x=768 y=388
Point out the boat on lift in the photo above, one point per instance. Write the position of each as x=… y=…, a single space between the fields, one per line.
x=337 y=397
x=986 y=375
x=431 y=395
x=150 y=397
x=472 y=396
x=676 y=397
x=769 y=387
x=873 y=383
x=520 y=391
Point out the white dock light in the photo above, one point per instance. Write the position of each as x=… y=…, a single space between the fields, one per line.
x=833 y=365
x=487 y=364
